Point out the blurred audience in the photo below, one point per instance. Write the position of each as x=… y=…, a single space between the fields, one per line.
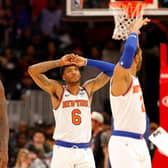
x=37 y=6
x=39 y=143
x=22 y=88
x=33 y=31
x=22 y=160
x=50 y=19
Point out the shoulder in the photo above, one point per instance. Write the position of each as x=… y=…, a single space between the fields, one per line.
x=104 y=137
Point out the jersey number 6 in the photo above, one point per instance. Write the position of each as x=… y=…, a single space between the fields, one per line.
x=76 y=118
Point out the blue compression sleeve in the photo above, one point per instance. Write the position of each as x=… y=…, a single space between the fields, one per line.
x=128 y=54
x=103 y=66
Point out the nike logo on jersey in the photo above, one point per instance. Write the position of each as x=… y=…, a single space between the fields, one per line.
x=75 y=103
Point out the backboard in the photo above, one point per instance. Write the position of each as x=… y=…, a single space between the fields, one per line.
x=97 y=9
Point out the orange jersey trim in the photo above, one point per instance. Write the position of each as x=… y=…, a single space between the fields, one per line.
x=129 y=88
x=60 y=99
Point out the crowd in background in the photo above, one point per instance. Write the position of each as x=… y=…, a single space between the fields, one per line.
x=32 y=31
x=31 y=147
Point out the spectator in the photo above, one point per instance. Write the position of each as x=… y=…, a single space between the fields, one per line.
x=28 y=59
x=23 y=88
x=22 y=15
x=39 y=160
x=95 y=52
x=6 y=21
x=22 y=159
x=50 y=19
x=24 y=39
x=8 y=68
x=21 y=140
x=111 y=48
x=37 y=7
x=39 y=143
x=99 y=141
x=14 y=148
x=17 y=140
x=52 y=51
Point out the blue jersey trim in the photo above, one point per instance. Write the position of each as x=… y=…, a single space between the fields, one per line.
x=71 y=145
x=127 y=134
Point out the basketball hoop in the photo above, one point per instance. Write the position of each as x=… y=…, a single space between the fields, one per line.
x=125 y=13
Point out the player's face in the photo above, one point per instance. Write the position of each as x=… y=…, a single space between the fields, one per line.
x=71 y=74
x=139 y=60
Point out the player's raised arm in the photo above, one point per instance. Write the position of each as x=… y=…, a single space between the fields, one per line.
x=4 y=129
x=121 y=77
x=37 y=71
x=94 y=84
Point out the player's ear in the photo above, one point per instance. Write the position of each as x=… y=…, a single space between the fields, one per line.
x=136 y=58
x=63 y=77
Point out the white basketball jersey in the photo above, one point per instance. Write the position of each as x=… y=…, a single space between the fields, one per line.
x=128 y=110
x=73 y=117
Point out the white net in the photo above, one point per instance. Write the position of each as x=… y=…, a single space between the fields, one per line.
x=123 y=17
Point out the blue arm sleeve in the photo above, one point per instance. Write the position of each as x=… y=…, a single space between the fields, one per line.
x=103 y=66
x=128 y=54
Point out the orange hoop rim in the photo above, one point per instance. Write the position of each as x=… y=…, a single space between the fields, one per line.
x=129 y=6
x=122 y=4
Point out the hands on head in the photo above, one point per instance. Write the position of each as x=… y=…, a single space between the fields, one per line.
x=73 y=59
x=136 y=26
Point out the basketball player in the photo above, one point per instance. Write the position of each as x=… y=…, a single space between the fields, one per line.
x=4 y=129
x=127 y=147
x=71 y=107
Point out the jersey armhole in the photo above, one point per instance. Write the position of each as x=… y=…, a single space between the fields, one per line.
x=85 y=91
x=129 y=88
x=62 y=95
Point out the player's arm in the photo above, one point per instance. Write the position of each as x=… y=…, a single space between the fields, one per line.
x=104 y=139
x=37 y=72
x=106 y=156
x=4 y=128
x=121 y=77
x=101 y=80
x=98 y=82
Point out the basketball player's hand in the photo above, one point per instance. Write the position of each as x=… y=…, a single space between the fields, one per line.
x=79 y=61
x=136 y=26
x=3 y=159
x=67 y=59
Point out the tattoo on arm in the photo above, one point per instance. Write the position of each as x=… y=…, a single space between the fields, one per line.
x=43 y=80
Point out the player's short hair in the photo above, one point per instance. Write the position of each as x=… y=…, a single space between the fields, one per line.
x=62 y=69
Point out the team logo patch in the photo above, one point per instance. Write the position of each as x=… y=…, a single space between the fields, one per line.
x=165 y=101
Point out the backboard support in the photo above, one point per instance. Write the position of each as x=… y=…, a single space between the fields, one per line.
x=76 y=9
